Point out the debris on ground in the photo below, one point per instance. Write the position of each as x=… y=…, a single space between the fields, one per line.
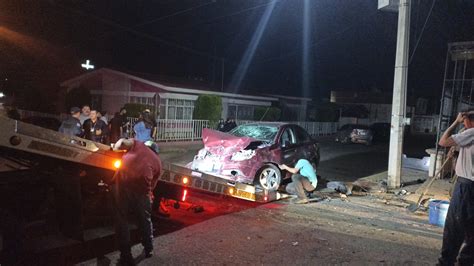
x=341 y=187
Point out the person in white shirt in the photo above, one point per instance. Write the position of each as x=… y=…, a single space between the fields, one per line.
x=459 y=225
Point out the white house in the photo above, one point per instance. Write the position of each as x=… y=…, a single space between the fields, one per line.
x=111 y=89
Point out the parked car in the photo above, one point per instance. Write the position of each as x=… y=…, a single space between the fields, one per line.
x=251 y=153
x=45 y=122
x=352 y=133
x=380 y=131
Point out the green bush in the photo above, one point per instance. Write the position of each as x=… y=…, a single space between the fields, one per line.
x=208 y=107
x=267 y=114
x=134 y=109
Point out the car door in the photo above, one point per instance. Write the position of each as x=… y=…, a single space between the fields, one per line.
x=289 y=149
x=306 y=147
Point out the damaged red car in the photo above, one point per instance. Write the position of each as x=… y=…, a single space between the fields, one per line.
x=251 y=153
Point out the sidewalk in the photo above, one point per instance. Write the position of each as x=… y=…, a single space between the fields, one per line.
x=415 y=183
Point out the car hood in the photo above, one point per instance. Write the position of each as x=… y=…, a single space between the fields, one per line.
x=223 y=144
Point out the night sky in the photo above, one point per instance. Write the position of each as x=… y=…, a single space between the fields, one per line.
x=351 y=43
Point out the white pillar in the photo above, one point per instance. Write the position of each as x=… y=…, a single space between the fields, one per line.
x=399 y=95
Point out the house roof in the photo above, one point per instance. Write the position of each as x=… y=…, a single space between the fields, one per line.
x=175 y=86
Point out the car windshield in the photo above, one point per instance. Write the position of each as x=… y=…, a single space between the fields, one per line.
x=260 y=132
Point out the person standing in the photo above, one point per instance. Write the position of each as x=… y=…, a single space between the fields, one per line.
x=95 y=129
x=85 y=113
x=303 y=179
x=152 y=119
x=459 y=225
x=125 y=123
x=72 y=125
x=103 y=117
x=221 y=125
x=115 y=128
x=132 y=190
x=143 y=128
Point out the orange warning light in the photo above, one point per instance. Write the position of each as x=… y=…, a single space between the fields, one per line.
x=117 y=164
x=185 y=180
x=231 y=191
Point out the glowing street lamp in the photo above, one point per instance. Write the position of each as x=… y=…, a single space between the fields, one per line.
x=2 y=95
x=87 y=65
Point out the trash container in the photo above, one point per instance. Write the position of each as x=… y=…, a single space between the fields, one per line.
x=439 y=163
x=438 y=209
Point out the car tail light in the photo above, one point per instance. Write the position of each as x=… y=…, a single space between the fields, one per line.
x=185 y=193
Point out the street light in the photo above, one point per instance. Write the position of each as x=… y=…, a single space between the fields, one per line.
x=2 y=95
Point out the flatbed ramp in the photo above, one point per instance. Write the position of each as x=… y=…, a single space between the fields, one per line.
x=191 y=179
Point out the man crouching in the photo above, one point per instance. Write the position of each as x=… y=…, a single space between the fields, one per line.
x=303 y=178
x=133 y=186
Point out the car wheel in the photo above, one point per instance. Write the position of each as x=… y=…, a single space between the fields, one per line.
x=345 y=140
x=269 y=177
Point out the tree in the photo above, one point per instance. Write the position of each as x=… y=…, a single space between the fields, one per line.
x=208 y=107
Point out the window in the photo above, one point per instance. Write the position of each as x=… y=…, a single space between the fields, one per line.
x=177 y=109
x=240 y=112
x=142 y=100
x=288 y=137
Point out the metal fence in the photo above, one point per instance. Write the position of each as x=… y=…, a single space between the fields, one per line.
x=176 y=130
x=182 y=130
x=190 y=130
x=27 y=114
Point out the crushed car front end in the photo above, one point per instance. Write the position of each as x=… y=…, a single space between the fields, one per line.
x=234 y=158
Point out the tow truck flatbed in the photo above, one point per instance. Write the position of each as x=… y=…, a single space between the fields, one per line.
x=187 y=178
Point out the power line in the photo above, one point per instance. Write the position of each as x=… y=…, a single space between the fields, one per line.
x=245 y=10
x=149 y=22
x=144 y=35
x=421 y=33
x=335 y=35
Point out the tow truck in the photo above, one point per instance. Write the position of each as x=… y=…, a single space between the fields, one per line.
x=43 y=171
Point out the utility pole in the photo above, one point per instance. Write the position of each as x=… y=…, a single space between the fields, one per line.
x=399 y=96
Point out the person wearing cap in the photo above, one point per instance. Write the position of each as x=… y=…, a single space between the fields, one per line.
x=132 y=190
x=154 y=128
x=459 y=225
x=72 y=125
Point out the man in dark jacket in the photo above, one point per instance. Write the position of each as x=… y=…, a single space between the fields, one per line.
x=95 y=129
x=72 y=125
x=134 y=183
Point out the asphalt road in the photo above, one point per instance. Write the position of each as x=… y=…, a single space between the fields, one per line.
x=362 y=230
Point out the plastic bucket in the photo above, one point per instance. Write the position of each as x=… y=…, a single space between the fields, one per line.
x=438 y=209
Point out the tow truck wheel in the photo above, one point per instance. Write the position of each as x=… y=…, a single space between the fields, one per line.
x=269 y=177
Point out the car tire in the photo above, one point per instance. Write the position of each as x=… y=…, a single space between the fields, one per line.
x=345 y=140
x=268 y=177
